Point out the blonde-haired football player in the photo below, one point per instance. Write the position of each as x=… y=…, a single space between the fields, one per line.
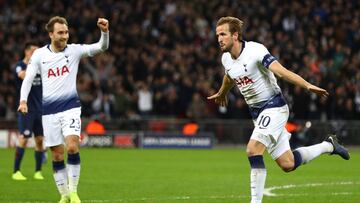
x=251 y=67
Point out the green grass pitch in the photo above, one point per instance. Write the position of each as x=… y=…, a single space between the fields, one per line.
x=184 y=176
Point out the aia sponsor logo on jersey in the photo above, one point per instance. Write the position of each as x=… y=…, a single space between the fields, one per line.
x=55 y=72
x=243 y=81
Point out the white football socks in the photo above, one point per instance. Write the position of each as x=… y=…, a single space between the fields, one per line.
x=61 y=181
x=311 y=152
x=74 y=176
x=257 y=184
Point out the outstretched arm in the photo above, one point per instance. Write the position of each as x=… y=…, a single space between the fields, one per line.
x=221 y=96
x=295 y=79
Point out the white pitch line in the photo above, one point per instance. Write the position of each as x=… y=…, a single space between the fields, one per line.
x=144 y=199
x=269 y=191
x=214 y=197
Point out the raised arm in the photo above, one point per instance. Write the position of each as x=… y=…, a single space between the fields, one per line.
x=103 y=43
x=221 y=96
x=295 y=79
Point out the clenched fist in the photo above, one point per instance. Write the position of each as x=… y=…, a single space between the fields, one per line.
x=103 y=24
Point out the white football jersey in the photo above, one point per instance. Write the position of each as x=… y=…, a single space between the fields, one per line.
x=251 y=74
x=58 y=74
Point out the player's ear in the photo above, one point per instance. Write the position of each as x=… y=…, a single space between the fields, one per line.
x=235 y=35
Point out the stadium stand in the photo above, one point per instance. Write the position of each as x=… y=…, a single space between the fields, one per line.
x=170 y=47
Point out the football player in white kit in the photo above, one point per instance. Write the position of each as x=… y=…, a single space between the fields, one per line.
x=58 y=64
x=251 y=67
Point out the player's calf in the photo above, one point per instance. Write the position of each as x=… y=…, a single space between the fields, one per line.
x=287 y=167
x=304 y=155
x=288 y=161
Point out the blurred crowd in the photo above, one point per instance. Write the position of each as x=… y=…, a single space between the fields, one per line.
x=164 y=59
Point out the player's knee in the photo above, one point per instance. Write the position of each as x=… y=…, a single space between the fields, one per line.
x=287 y=166
x=72 y=144
x=39 y=143
x=72 y=148
x=251 y=152
x=22 y=142
x=254 y=148
x=57 y=156
x=57 y=153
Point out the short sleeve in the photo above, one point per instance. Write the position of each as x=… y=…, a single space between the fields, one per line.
x=225 y=61
x=33 y=66
x=264 y=56
x=18 y=68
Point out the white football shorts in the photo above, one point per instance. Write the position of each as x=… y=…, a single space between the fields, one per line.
x=270 y=130
x=58 y=126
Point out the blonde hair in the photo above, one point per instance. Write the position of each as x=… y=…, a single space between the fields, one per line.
x=235 y=25
x=56 y=19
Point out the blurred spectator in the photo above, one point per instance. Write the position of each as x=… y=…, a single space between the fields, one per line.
x=145 y=100
x=122 y=101
x=240 y=109
x=197 y=107
x=11 y=105
x=300 y=107
x=103 y=105
x=3 y=107
x=348 y=112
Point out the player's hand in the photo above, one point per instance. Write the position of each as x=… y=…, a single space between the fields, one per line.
x=318 y=90
x=23 y=108
x=219 y=99
x=103 y=24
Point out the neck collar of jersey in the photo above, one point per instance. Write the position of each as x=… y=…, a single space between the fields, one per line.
x=48 y=46
x=242 y=49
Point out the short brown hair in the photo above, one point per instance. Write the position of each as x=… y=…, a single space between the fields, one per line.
x=235 y=25
x=56 y=19
x=29 y=44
